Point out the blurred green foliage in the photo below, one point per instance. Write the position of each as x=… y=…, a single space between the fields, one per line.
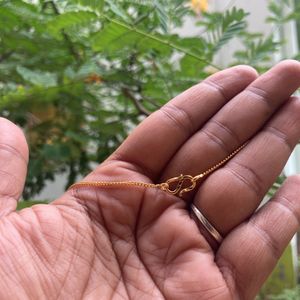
x=282 y=283
x=288 y=294
x=29 y=203
x=78 y=75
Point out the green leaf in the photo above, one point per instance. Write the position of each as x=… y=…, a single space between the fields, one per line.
x=221 y=28
x=94 y=4
x=110 y=35
x=80 y=138
x=191 y=67
x=56 y=152
x=228 y=33
x=257 y=50
x=118 y=10
x=119 y=36
x=162 y=15
x=195 y=44
x=69 y=20
x=19 y=42
x=276 y=185
x=45 y=79
x=115 y=38
x=8 y=19
x=24 y=10
x=156 y=89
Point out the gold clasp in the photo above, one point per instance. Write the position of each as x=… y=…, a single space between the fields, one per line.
x=183 y=184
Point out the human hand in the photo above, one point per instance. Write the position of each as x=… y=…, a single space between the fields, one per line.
x=137 y=243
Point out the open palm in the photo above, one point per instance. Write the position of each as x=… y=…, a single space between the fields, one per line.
x=141 y=243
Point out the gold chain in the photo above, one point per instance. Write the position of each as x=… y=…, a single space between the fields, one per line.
x=176 y=185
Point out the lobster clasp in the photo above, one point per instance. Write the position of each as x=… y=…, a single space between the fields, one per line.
x=179 y=185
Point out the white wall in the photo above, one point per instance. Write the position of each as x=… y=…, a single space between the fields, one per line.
x=258 y=10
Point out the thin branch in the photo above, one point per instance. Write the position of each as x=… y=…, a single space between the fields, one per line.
x=151 y=101
x=157 y=39
x=141 y=109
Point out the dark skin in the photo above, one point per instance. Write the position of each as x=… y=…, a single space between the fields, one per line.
x=136 y=243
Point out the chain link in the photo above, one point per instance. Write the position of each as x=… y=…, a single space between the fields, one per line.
x=176 y=186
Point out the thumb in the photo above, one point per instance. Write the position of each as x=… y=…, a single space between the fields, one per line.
x=13 y=165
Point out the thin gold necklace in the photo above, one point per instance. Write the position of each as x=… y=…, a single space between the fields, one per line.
x=174 y=186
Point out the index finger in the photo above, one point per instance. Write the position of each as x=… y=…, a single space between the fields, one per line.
x=156 y=140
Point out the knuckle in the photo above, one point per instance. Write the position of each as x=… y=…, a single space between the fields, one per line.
x=269 y=240
x=247 y=176
x=179 y=117
x=223 y=132
x=216 y=87
x=259 y=94
x=286 y=203
x=280 y=135
x=287 y=197
x=218 y=140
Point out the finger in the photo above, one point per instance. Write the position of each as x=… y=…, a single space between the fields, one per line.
x=232 y=193
x=237 y=121
x=156 y=140
x=249 y=254
x=13 y=165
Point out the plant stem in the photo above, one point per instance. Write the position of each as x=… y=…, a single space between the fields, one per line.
x=141 y=109
x=157 y=39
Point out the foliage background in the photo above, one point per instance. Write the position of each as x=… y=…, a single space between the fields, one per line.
x=78 y=75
